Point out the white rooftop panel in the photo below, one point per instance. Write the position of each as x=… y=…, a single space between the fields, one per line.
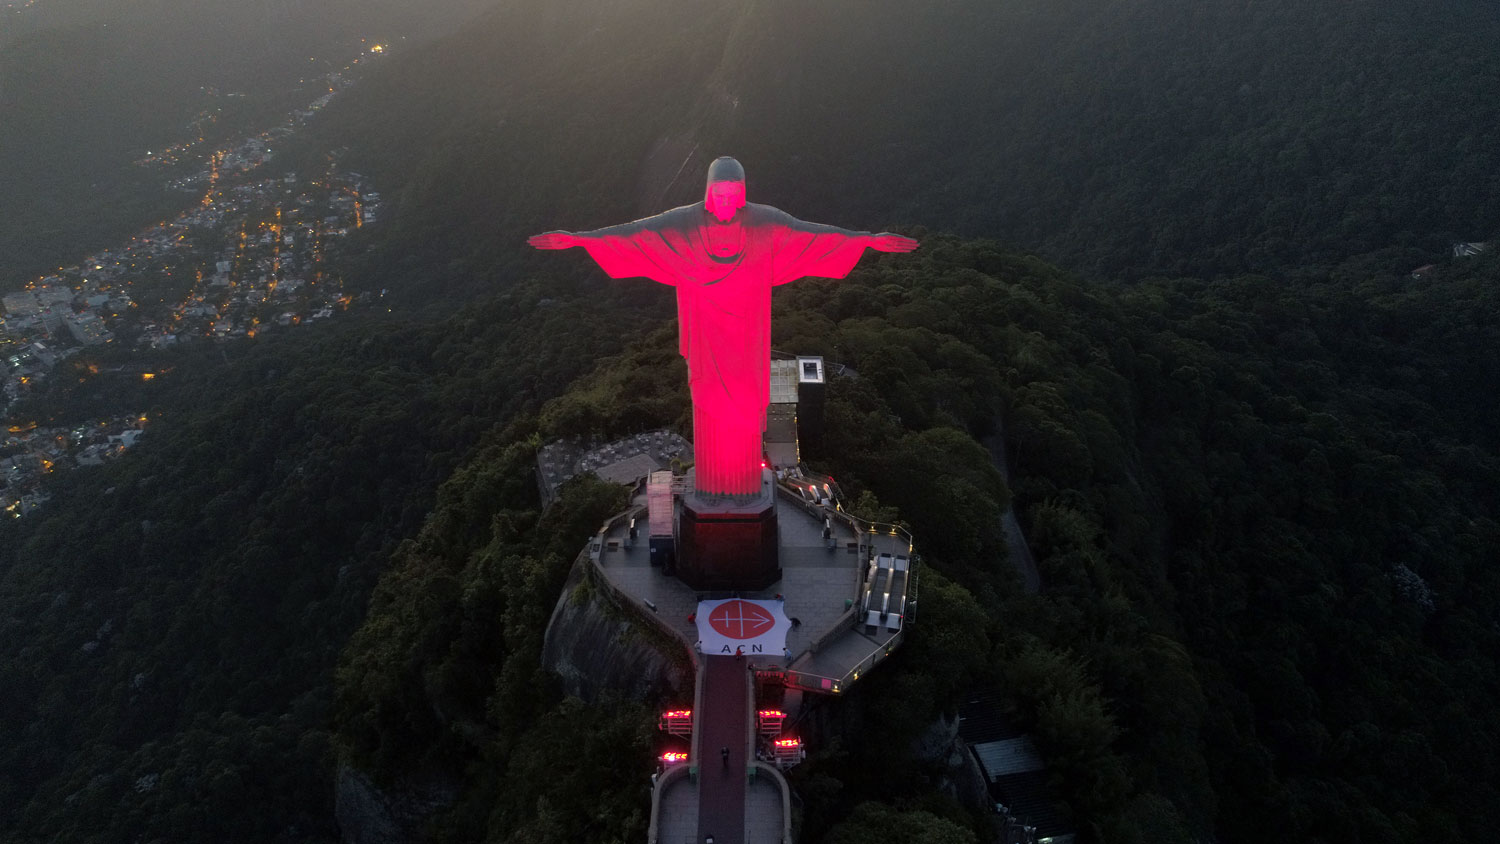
x=810 y=370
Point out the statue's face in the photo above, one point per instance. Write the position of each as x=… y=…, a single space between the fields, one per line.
x=724 y=199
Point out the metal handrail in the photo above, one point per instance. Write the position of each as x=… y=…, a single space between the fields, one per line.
x=861 y=526
x=786 y=797
x=838 y=684
x=845 y=621
x=595 y=552
x=675 y=772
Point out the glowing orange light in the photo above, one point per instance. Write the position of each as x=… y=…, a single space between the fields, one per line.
x=678 y=713
x=772 y=713
x=147 y=376
x=789 y=742
x=674 y=757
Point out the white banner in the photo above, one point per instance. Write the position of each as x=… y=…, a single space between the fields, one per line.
x=736 y=626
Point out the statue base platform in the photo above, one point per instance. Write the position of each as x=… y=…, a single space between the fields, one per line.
x=728 y=543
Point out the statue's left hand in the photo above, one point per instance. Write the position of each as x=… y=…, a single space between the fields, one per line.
x=553 y=240
x=887 y=242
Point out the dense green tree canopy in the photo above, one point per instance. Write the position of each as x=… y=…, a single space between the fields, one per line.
x=1259 y=482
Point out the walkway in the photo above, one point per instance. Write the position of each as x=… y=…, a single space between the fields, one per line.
x=723 y=721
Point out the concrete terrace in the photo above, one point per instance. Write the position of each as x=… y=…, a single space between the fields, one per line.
x=827 y=585
x=823 y=587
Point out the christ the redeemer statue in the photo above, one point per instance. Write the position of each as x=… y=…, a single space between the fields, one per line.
x=724 y=256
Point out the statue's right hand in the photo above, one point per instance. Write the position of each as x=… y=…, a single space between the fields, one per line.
x=887 y=242
x=553 y=240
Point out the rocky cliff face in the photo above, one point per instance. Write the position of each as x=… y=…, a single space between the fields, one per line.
x=937 y=746
x=593 y=643
x=960 y=777
x=368 y=814
x=596 y=645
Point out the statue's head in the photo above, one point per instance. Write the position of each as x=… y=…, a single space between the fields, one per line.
x=725 y=193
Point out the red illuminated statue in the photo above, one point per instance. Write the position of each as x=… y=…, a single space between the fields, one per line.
x=724 y=255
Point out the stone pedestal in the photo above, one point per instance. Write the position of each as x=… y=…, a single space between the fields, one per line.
x=728 y=544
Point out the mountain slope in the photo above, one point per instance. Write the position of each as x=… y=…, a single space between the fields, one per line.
x=1261 y=511
x=87 y=88
x=1120 y=139
x=172 y=619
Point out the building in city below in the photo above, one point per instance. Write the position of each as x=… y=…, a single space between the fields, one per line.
x=52 y=319
x=88 y=329
x=22 y=303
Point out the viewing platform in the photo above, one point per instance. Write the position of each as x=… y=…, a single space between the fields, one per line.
x=773 y=594
x=847 y=589
x=846 y=598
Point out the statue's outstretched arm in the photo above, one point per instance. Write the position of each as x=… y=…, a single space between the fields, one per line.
x=879 y=241
x=813 y=249
x=554 y=240
x=629 y=250
x=570 y=239
x=567 y=240
x=887 y=242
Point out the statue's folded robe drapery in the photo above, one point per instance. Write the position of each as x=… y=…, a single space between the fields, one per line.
x=724 y=273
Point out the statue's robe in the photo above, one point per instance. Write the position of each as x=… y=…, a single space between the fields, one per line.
x=724 y=273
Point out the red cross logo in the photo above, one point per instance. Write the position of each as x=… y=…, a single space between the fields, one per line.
x=740 y=620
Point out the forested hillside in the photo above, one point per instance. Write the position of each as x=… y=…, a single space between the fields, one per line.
x=1121 y=140
x=1261 y=510
x=1259 y=479
x=172 y=620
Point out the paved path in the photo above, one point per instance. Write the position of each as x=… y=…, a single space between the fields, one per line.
x=724 y=723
